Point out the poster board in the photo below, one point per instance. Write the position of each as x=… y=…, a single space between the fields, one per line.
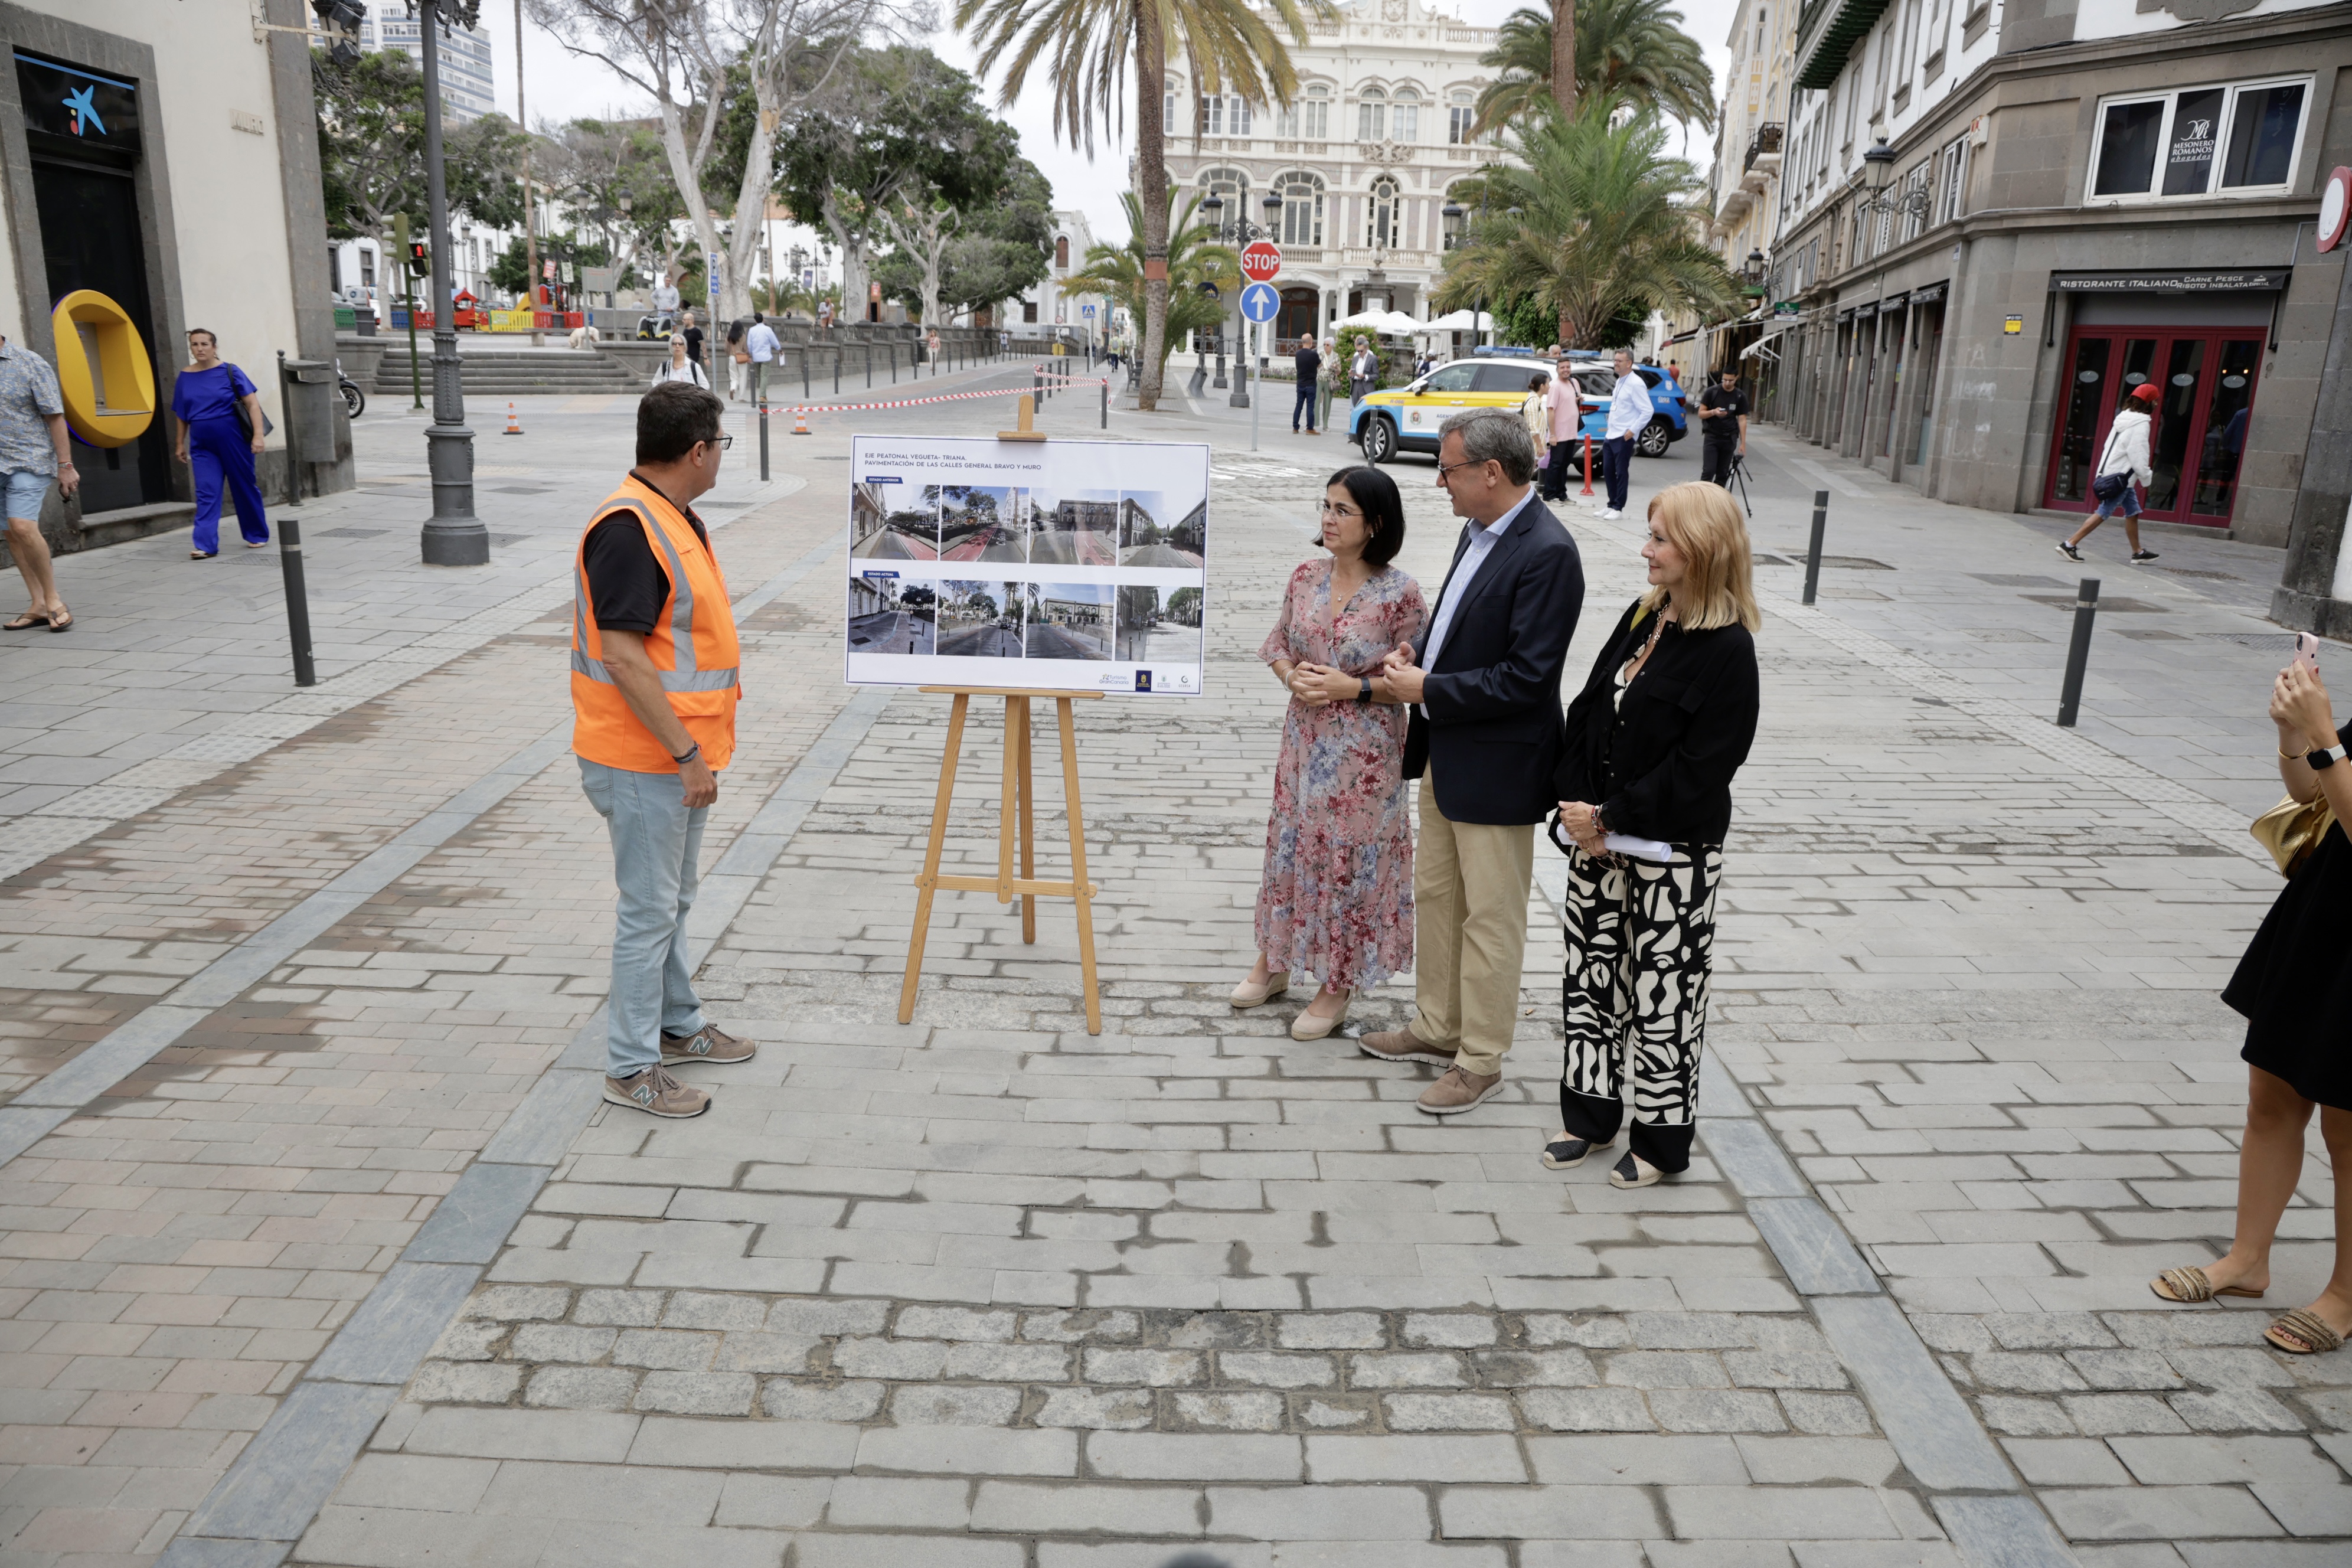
x=1057 y=565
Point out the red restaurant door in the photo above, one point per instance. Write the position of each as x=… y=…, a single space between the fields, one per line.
x=2208 y=379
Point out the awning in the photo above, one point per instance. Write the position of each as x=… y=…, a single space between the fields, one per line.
x=1850 y=20
x=2170 y=283
x=1772 y=328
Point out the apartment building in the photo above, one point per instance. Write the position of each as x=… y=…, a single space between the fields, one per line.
x=1751 y=129
x=1998 y=220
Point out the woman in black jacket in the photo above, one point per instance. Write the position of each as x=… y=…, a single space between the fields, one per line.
x=1645 y=782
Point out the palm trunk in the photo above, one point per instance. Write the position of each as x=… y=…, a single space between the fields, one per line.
x=1151 y=193
x=1563 y=56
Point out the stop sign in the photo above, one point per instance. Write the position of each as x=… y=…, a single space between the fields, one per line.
x=1261 y=259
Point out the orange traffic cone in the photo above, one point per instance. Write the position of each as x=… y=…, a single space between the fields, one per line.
x=514 y=426
x=800 y=422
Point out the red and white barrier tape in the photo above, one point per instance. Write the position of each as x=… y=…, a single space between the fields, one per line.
x=1055 y=383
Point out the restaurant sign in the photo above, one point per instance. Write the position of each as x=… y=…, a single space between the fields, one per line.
x=2167 y=282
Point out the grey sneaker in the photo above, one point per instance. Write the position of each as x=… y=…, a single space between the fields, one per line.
x=657 y=1093
x=708 y=1044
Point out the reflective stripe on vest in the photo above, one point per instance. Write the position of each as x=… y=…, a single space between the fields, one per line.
x=685 y=677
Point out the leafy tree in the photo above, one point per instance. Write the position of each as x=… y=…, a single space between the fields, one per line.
x=371 y=151
x=1604 y=232
x=896 y=132
x=1194 y=257
x=605 y=166
x=1635 y=49
x=1087 y=46
x=1004 y=249
x=684 y=54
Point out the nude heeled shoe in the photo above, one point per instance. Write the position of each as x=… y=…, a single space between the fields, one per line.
x=1311 y=1027
x=1249 y=994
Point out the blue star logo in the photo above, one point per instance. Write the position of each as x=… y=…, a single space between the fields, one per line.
x=83 y=110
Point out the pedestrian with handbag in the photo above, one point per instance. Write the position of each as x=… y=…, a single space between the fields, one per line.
x=1647 y=754
x=2293 y=986
x=2123 y=467
x=220 y=430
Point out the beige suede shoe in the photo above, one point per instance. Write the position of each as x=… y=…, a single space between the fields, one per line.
x=1310 y=1025
x=1404 y=1046
x=1458 y=1091
x=1251 y=994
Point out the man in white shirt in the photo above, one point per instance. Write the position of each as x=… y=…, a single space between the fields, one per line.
x=760 y=343
x=1630 y=413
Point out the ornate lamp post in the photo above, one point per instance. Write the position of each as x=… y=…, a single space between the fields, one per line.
x=1239 y=231
x=1877 y=171
x=1456 y=225
x=454 y=536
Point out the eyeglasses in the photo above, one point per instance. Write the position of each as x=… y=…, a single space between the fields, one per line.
x=721 y=442
x=1446 y=469
x=1328 y=509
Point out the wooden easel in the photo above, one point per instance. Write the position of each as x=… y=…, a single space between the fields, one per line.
x=1014 y=816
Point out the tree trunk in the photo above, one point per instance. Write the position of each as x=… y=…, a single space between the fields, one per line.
x=686 y=173
x=1563 y=56
x=1151 y=193
x=752 y=205
x=853 y=259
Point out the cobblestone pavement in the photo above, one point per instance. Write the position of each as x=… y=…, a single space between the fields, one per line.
x=302 y=1059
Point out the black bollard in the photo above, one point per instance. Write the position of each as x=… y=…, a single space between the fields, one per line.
x=1813 y=550
x=298 y=599
x=836 y=369
x=2078 y=652
x=760 y=391
x=1105 y=403
x=805 y=393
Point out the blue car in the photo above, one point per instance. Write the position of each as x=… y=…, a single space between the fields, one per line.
x=1669 y=421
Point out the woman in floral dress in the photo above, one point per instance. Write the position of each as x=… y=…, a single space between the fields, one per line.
x=1337 y=897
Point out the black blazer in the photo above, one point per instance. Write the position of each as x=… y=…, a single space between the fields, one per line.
x=1661 y=766
x=1493 y=696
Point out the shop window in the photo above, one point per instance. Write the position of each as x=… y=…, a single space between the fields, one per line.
x=2200 y=141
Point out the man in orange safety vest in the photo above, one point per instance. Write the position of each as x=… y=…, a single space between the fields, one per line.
x=654 y=686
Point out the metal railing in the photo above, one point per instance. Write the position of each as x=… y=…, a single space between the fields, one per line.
x=1767 y=140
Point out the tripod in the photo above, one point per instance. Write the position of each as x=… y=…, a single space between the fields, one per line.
x=1740 y=472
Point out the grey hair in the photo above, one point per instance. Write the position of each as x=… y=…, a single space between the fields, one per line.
x=1494 y=436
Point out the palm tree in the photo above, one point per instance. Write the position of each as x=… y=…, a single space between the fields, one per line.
x=1635 y=49
x=1597 y=227
x=1194 y=259
x=1089 y=46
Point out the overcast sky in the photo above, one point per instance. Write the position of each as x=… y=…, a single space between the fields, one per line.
x=563 y=86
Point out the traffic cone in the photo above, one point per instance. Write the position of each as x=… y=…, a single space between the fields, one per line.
x=514 y=425
x=800 y=422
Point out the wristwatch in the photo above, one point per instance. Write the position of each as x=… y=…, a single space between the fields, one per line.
x=2327 y=758
x=1364 y=692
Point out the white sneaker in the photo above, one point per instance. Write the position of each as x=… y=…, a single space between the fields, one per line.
x=1610 y=512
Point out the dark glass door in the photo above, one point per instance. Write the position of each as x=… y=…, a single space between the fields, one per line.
x=2207 y=381
x=90 y=231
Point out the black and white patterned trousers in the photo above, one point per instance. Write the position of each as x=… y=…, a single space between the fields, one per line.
x=1641 y=944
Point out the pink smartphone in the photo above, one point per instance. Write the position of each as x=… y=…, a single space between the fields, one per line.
x=2306 y=651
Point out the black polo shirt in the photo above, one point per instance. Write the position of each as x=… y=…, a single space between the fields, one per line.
x=1735 y=404
x=627 y=583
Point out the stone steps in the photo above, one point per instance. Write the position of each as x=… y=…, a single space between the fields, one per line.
x=515 y=373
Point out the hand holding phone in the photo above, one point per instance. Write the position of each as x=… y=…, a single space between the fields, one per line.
x=2306 y=651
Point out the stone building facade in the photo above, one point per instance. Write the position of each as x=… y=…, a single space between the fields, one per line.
x=1751 y=126
x=1363 y=159
x=2080 y=195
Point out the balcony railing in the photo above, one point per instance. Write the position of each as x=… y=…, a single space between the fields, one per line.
x=1765 y=143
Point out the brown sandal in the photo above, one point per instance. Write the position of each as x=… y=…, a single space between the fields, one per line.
x=2316 y=1336
x=2193 y=1285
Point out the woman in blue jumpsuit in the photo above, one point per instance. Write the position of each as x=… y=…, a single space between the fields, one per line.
x=214 y=445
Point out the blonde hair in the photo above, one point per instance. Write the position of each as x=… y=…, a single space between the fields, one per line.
x=1703 y=523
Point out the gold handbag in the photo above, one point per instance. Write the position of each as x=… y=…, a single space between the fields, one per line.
x=2292 y=829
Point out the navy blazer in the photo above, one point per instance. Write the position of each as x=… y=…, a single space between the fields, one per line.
x=1493 y=730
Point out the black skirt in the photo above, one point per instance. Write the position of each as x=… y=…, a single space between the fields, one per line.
x=2294 y=984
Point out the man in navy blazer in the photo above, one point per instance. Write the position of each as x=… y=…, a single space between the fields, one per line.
x=1483 y=685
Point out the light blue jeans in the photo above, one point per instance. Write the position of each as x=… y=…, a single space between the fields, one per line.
x=656 y=841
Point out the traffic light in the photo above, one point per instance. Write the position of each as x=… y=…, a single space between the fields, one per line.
x=420 y=261
x=338 y=23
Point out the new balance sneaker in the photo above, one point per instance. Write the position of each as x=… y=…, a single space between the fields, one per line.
x=708 y=1044
x=2140 y=555
x=2066 y=548
x=657 y=1093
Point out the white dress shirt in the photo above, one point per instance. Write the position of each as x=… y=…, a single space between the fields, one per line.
x=761 y=343
x=1630 y=409
x=1482 y=543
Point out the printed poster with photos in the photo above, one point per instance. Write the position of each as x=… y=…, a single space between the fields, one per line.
x=1055 y=565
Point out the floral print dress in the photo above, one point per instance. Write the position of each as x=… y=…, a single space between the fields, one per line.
x=1337 y=897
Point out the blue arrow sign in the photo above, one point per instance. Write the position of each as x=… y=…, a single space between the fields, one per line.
x=1259 y=302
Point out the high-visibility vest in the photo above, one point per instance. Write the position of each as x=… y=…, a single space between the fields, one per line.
x=692 y=645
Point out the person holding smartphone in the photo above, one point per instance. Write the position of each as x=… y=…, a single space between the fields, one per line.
x=2294 y=986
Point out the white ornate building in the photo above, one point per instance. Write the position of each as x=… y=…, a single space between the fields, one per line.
x=1363 y=159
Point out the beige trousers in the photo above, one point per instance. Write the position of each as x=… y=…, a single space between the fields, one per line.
x=1469 y=931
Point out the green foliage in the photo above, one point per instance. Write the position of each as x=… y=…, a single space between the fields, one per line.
x=1002 y=250
x=1605 y=232
x=1635 y=49
x=1524 y=320
x=898 y=121
x=1194 y=257
x=371 y=151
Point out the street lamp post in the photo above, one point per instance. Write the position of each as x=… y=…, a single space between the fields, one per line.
x=1454 y=222
x=1240 y=231
x=454 y=536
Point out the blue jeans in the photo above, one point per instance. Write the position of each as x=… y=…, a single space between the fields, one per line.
x=2127 y=502
x=1303 y=403
x=1617 y=463
x=655 y=840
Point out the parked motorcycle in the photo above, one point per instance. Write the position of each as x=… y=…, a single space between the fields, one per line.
x=355 y=400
